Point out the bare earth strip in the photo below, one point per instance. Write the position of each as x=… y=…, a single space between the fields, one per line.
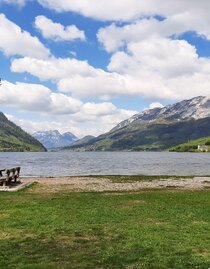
x=105 y=184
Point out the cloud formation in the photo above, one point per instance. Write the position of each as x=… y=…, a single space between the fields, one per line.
x=35 y=97
x=67 y=113
x=80 y=128
x=155 y=105
x=145 y=60
x=148 y=57
x=118 y=10
x=53 y=69
x=155 y=68
x=14 y=2
x=56 y=31
x=114 y=37
x=15 y=41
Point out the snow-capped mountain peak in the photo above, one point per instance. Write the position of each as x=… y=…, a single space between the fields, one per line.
x=53 y=138
x=195 y=108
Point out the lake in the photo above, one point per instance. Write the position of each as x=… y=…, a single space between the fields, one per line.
x=107 y=163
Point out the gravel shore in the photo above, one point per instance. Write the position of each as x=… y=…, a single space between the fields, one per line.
x=101 y=184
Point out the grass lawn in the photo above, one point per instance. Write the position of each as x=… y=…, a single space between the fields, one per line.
x=149 y=229
x=126 y=179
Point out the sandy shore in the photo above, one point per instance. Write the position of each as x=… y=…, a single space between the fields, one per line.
x=105 y=184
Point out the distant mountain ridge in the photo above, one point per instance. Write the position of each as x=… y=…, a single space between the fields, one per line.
x=13 y=138
x=83 y=141
x=195 y=108
x=53 y=139
x=156 y=129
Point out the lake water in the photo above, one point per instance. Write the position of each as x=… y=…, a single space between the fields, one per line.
x=107 y=163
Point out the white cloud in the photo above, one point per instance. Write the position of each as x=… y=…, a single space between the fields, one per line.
x=114 y=37
x=73 y=53
x=63 y=112
x=78 y=126
x=165 y=57
x=151 y=64
x=100 y=84
x=15 y=41
x=46 y=125
x=155 y=68
x=74 y=76
x=14 y=2
x=167 y=66
x=34 y=97
x=155 y=105
x=92 y=112
x=145 y=61
x=100 y=109
x=129 y=9
x=56 y=31
x=82 y=80
x=97 y=9
x=151 y=68
x=52 y=69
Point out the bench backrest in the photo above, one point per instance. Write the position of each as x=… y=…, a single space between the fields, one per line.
x=2 y=170
x=13 y=173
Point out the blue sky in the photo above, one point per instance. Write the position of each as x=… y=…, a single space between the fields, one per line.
x=85 y=65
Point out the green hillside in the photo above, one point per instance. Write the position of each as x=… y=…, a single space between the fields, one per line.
x=192 y=145
x=13 y=138
x=141 y=135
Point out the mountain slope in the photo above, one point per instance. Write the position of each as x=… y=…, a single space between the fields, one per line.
x=81 y=142
x=13 y=138
x=53 y=139
x=192 y=145
x=195 y=108
x=157 y=129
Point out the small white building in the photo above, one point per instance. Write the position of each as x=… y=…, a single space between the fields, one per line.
x=203 y=148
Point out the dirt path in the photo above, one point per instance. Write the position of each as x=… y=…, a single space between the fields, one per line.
x=106 y=184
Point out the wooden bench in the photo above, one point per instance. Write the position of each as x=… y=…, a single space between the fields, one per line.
x=9 y=176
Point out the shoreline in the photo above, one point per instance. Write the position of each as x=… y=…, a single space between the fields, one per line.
x=109 y=183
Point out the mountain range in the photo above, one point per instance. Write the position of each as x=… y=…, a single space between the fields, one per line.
x=13 y=138
x=151 y=130
x=155 y=129
x=53 y=139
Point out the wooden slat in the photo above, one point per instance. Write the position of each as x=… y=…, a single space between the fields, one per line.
x=9 y=175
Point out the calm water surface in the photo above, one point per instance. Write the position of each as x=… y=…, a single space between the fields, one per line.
x=107 y=163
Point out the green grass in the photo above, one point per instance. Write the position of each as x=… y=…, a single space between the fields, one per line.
x=12 y=143
x=150 y=229
x=13 y=138
x=136 y=178
x=192 y=145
